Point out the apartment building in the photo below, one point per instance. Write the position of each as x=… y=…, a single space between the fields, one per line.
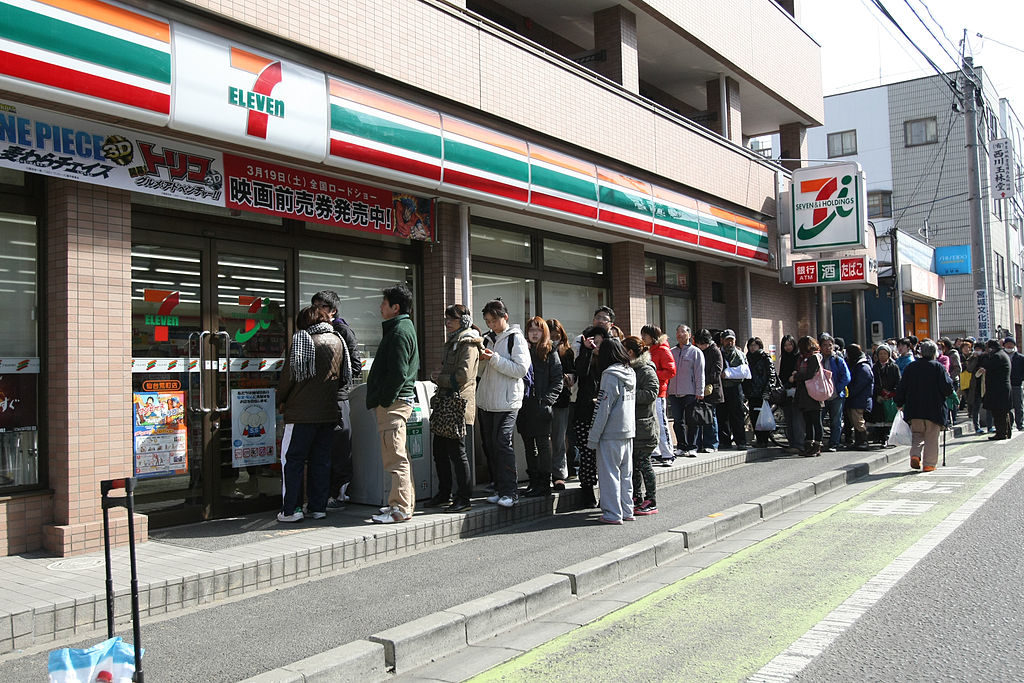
x=910 y=140
x=178 y=178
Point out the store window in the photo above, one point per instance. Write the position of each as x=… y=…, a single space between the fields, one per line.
x=19 y=354
x=669 y=293
x=842 y=144
x=1001 y=272
x=358 y=282
x=537 y=275
x=920 y=132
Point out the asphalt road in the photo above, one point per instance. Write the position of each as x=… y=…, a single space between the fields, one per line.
x=954 y=616
x=230 y=642
x=957 y=616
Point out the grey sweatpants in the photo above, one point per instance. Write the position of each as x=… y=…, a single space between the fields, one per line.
x=615 y=477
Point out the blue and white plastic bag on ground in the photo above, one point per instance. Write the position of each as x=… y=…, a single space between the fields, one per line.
x=112 y=661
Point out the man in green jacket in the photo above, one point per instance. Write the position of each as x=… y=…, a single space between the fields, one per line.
x=390 y=393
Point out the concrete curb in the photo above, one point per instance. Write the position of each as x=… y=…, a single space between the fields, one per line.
x=440 y=634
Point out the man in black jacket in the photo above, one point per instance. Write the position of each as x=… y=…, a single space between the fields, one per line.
x=341 y=449
x=1016 y=381
x=995 y=368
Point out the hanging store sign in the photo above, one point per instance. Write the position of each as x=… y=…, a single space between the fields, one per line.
x=277 y=190
x=981 y=301
x=838 y=271
x=38 y=141
x=829 y=205
x=953 y=260
x=235 y=93
x=1001 y=168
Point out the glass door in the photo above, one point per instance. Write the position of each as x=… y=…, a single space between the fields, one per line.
x=209 y=335
x=252 y=332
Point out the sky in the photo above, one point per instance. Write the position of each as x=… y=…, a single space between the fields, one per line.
x=860 y=48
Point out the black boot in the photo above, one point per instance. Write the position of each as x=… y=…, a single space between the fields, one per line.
x=589 y=501
x=861 y=443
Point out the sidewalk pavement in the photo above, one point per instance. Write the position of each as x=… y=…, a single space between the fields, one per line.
x=43 y=599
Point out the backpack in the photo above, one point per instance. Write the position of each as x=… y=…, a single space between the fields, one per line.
x=820 y=387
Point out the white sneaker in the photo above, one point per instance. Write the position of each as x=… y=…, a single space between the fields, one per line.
x=494 y=499
x=506 y=501
x=386 y=508
x=392 y=516
x=294 y=517
x=319 y=515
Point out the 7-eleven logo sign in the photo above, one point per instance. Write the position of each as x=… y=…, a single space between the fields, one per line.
x=259 y=317
x=162 y=320
x=828 y=209
x=258 y=98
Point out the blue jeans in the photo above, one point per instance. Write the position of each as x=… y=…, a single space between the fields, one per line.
x=302 y=444
x=708 y=434
x=559 y=442
x=833 y=413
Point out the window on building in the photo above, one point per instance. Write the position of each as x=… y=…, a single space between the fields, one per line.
x=1000 y=272
x=842 y=143
x=718 y=292
x=920 y=132
x=19 y=354
x=537 y=275
x=880 y=204
x=1016 y=276
x=669 y=293
x=358 y=282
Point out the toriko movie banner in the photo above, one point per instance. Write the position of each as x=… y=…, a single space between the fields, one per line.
x=159 y=433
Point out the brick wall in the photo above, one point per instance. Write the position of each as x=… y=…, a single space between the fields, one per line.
x=442 y=284
x=714 y=315
x=88 y=245
x=629 y=289
x=21 y=521
x=778 y=310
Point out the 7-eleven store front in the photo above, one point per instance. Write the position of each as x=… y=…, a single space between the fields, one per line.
x=163 y=258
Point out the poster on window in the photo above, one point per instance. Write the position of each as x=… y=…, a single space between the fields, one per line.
x=253 y=427
x=17 y=402
x=159 y=433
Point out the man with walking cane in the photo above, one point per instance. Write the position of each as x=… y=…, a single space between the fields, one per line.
x=921 y=394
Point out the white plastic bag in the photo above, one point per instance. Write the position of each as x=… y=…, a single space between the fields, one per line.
x=899 y=434
x=112 y=660
x=765 y=419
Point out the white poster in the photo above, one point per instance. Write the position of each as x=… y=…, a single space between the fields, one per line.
x=41 y=141
x=232 y=92
x=253 y=427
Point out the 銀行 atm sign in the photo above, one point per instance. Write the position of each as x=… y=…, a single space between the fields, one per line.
x=830 y=271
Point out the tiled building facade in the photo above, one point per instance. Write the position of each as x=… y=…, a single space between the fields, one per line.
x=187 y=305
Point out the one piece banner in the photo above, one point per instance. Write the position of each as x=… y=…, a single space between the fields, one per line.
x=39 y=141
x=160 y=435
x=253 y=427
x=264 y=187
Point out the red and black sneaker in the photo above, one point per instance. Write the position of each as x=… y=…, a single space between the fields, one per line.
x=648 y=507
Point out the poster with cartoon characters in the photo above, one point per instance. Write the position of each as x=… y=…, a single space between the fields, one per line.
x=253 y=427
x=160 y=436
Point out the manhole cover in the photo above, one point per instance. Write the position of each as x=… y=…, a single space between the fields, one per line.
x=75 y=564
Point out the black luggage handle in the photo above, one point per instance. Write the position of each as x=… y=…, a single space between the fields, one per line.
x=128 y=502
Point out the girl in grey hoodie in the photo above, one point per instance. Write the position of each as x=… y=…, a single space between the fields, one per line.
x=613 y=430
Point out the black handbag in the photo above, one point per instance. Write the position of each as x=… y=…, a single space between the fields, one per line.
x=448 y=415
x=703 y=414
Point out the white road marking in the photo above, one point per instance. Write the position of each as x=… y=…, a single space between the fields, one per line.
x=959 y=472
x=797 y=656
x=930 y=486
x=900 y=506
x=973 y=458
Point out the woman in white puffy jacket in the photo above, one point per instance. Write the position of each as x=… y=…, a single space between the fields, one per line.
x=504 y=361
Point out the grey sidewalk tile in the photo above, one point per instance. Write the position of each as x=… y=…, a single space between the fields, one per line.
x=700 y=559
x=630 y=591
x=464 y=664
x=756 y=533
x=527 y=636
x=669 y=573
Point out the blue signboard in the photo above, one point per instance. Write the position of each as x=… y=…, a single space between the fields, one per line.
x=955 y=260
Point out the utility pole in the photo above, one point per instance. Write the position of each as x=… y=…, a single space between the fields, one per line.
x=979 y=267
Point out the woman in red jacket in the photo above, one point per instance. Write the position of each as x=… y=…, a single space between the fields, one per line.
x=665 y=367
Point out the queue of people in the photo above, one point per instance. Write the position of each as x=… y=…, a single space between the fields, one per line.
x=604 y=407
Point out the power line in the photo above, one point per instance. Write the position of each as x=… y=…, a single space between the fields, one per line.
x=931 y=33
x=998 y=42
x=881 y=8
x=937 y=23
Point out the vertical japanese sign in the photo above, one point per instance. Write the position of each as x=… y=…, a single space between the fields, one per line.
x=159 y=433
x=1001 y=168
x=981 y=299
x=253 y=427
